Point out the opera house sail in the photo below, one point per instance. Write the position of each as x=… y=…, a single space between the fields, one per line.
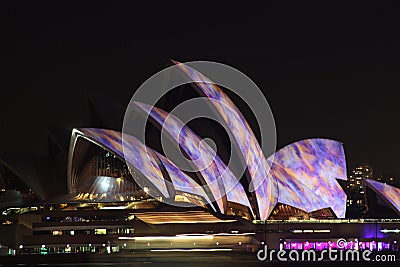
x=217 y=175
x=127 y=195
x=264 y=186
x=383 y=199
x=306 y=172
x=102 y=182
x=301 y=176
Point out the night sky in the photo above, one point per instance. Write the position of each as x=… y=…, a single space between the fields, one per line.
x=327 y=69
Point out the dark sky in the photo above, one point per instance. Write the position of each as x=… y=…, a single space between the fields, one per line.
x=327 y=69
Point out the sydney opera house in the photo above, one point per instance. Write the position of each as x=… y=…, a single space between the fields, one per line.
x=124 y=196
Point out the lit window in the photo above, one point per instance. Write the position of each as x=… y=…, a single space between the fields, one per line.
x=57 y=232
x=100 y=231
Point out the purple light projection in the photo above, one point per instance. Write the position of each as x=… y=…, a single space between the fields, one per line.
x=203 y=157
x=257 y=165
x=325 y=244
x=390 y=193
x=138 y=157
x=306 y=172
x=181 y=181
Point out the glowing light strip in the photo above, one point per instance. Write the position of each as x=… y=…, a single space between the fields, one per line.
x=322 y=231
x=173 y=217
x=310 y=231
x=390 y=231
x=192 y=250
x=192 y=235
x=113 y=208
x=180 y=237
x=160 y=238
x=228 y=234
x=188 y=221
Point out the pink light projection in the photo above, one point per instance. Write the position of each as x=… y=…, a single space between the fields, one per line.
x=258 y=167
x=207 y=162
x=390 y=193
x=143 y=159
x=306 y=172
x=138 y=156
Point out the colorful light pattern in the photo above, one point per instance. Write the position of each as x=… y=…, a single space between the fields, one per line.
x=181 y=181
x=306 y=172
x=210 y=165
x=302 y=175
x=145 y=162
x=323 y=245
x=389 y=193
x=257 y=165
x=179 y=217
x=138 y=156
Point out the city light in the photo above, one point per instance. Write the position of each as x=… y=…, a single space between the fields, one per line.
x=390 y=231
x=113 y=154
x=105 y=184
x=97 y=208
x=192 y=250
x=163 y=238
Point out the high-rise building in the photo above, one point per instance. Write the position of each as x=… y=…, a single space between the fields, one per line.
x=359 y=173
x=356 y=205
